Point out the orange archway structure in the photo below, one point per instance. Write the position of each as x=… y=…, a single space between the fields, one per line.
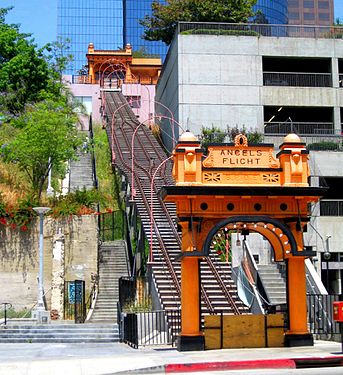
x=245 y=187
x=121 y=66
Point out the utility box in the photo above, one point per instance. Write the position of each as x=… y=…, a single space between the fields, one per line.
x=338 y=311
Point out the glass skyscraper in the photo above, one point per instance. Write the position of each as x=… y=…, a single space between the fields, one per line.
x=109 y=24
x=274 y=11
x=134 y=11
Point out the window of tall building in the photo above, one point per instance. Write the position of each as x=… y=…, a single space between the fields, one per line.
x=308 y=3
x=308 y=16
x=293 y=3
x=324 y=16
x=293 y=15
x=323 y=5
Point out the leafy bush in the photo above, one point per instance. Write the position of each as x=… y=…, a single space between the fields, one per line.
x=80 y=202
x=145 y=305
x=18 y=216
x=329 y=146
x=217 y=135
x=220 y=32
x=12 y=313
x=211 y=135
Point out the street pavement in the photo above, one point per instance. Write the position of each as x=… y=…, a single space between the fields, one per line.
x=104 y=359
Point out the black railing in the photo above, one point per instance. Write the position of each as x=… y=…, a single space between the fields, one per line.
x=91 y=136
x=6 y=305
x=297 y=79
x=300 y=128
x=74 y=301
x=269 y=30
x=320 y=314
x=151 y=328
x=127 y=290
x=331 y=207
x=112 y=226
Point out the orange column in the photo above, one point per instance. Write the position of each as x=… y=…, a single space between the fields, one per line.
x=190 y=297
x=191 y=338
x=297 y=334
x=297 y=296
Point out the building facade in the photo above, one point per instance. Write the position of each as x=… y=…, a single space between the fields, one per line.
x=275 y=86
x=136 y=77
x=85 y=21
x=311 y=12
x=272 y=11
x=109 y=24
x=132 y=33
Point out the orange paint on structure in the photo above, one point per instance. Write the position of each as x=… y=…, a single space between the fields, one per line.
x=130 y=69
x=247 y=185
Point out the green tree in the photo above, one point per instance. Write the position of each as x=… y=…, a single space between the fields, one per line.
x=25 y=73
x=162 y=23
x=56 y=53
x=45 y=130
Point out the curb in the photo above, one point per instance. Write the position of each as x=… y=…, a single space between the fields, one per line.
x=231 y=365
x=281 y=363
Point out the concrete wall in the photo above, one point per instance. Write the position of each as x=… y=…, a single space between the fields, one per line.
x=167 y=92
x=220 y=79
x=86 y=90
x=19 y=253
x=146 y=93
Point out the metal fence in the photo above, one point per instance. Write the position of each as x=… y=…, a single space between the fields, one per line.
x=151 y=328
x=74 y=301
x=331 y=207
x=297 y=79
x=294 y=31
x=82 y=79
x=320 y=315
x=127 y=289
x=300 y=128
x=112 y=226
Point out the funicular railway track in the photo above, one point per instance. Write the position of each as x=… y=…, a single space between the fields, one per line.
x=218 y=293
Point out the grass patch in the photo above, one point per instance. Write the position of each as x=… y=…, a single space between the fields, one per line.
x=108 y=181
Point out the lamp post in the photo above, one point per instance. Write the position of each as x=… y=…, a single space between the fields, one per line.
x=40 y=313
x=327 y=257
x=49 y=190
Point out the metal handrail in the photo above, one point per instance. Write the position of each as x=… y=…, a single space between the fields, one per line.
x=208 y=260
x=267 y=30
x=300 y=79
x=301 y=128
x=146 y=203
x=172 y=226
x=6 y=304
x=257 y=278
x=91 y=136
x=331 y=207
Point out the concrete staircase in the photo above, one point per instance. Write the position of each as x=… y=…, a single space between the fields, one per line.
x=112 y=265
x=59 y=332
x=274 y=284
x=81 y=173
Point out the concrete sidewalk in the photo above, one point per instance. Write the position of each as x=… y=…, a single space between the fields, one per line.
x=100 y=359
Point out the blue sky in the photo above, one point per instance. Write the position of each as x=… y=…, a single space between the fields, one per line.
x=39 y=17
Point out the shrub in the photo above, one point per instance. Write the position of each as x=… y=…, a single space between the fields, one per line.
x=323 y=146
x=220 y=32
